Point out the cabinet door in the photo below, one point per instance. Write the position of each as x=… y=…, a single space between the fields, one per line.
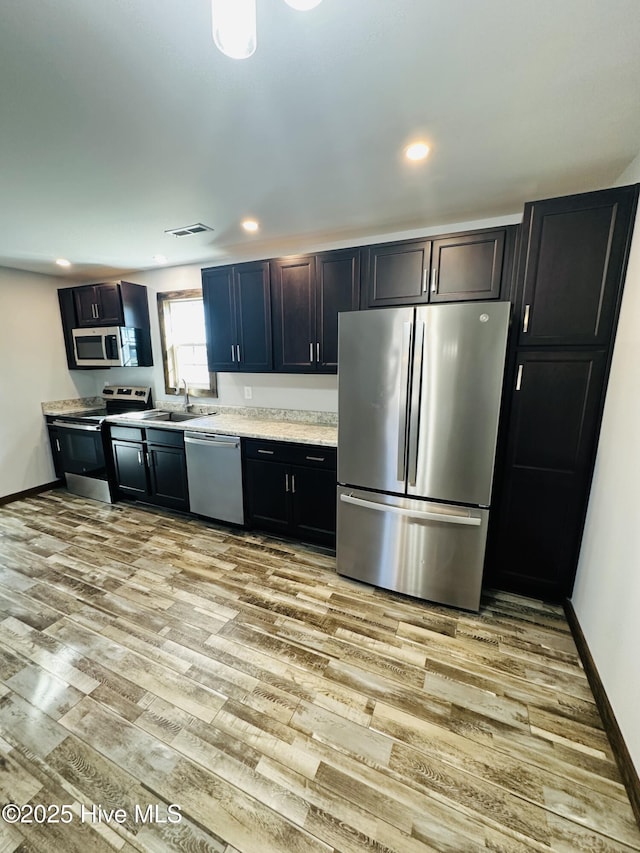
x=98 y=305
x=539 y=513
x=253 y=314
x=109 y=304
x=267 y=495
x=168 y=476
x=219 y=318
x=467 y=266
x=396 y=274
x=572 y=267
x=294 y=321
x=130 y=468
x=337 y=289
x=86 y=308
x=314 y=504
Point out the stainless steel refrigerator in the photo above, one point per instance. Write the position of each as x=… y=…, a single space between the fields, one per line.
x=419 y=393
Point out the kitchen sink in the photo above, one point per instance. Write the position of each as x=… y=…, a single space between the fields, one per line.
x=174 y=417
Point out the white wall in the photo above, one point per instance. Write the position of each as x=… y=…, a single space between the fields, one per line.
x=269 y=390
x=29 y=305
x=606 y=597
x=34 y=369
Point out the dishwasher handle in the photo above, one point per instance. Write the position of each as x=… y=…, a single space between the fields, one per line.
x=207 y=440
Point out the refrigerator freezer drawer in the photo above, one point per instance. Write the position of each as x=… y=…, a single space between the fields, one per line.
x=427 y=550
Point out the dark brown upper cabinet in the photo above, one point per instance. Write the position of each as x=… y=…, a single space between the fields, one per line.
x=308 y=293
x=396 y=274
x=113 y=303
x=572 y=265
x=467 y=266
x=452 y=268
x=99 y=305
x=237 y=311
x=337 y=289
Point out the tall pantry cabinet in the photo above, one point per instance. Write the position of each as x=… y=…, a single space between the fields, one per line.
x=568 y=290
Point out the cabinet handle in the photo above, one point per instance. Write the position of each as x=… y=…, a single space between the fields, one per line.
x=286 y=482
x=139 y=457
x=434 y=280
x=238 y=351
x=58 y=448
x=424 y=280
x=525 y=322
x=293 y=484
x=519 y=377
x=93 y=310
x=269 y=452
x=315 y=458
x=311 y=353
x=318 y=353
x=233 y=353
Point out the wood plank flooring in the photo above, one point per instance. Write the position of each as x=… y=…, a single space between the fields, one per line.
x=150 y=659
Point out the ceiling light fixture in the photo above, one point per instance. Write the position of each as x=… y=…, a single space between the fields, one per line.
x=250 y=225
x=234 y=24
x=416 y=151
x=63 y=262
x=234 y=27
x=302 y=5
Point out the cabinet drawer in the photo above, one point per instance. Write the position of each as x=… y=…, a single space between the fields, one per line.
x=314 y=456
x=267 y=451
x=289 y=452
x=127 y=433
x=167 y=437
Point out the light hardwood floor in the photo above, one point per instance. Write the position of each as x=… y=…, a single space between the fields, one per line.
x=148 y=658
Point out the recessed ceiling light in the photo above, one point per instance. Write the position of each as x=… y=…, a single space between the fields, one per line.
x=160 y=259
x=416 y=151
x=63 y=262
x=250 y=225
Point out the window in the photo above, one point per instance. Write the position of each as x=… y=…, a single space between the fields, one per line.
x=184 y=348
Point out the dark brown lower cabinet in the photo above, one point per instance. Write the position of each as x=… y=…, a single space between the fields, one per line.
x=291 y=489
x=543 y=491
x=150 y=466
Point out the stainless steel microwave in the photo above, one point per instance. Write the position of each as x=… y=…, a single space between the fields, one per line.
x=109 y=346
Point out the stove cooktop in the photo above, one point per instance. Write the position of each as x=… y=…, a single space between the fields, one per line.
x=119 y=399
x=92 y=416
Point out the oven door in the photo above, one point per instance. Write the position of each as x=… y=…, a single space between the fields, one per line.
x=82 y=449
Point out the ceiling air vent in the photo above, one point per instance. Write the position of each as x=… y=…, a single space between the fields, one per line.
x=198 y=228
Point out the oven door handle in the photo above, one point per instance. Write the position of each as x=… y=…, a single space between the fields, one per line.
x=83 y=427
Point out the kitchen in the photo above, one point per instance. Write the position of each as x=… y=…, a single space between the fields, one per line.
x=29 y=299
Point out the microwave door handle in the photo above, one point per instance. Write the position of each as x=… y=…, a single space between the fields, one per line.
x=112 y=348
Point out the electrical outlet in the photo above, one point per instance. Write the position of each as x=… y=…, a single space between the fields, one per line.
x=248 y=392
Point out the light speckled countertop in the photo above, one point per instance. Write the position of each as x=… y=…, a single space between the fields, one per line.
x=222 y=424
x=272 y=424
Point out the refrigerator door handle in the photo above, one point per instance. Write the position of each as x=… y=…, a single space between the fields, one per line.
x=404 y=397
x=420 y=515
x=414 y=419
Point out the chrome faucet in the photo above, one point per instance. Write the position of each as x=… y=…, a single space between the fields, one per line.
x=186 y=393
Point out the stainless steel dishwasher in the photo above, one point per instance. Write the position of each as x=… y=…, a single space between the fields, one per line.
x=214 y=471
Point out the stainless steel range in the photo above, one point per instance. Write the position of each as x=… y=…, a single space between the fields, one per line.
x=80 y=439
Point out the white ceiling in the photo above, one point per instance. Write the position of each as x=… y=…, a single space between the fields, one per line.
x=120 y=119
